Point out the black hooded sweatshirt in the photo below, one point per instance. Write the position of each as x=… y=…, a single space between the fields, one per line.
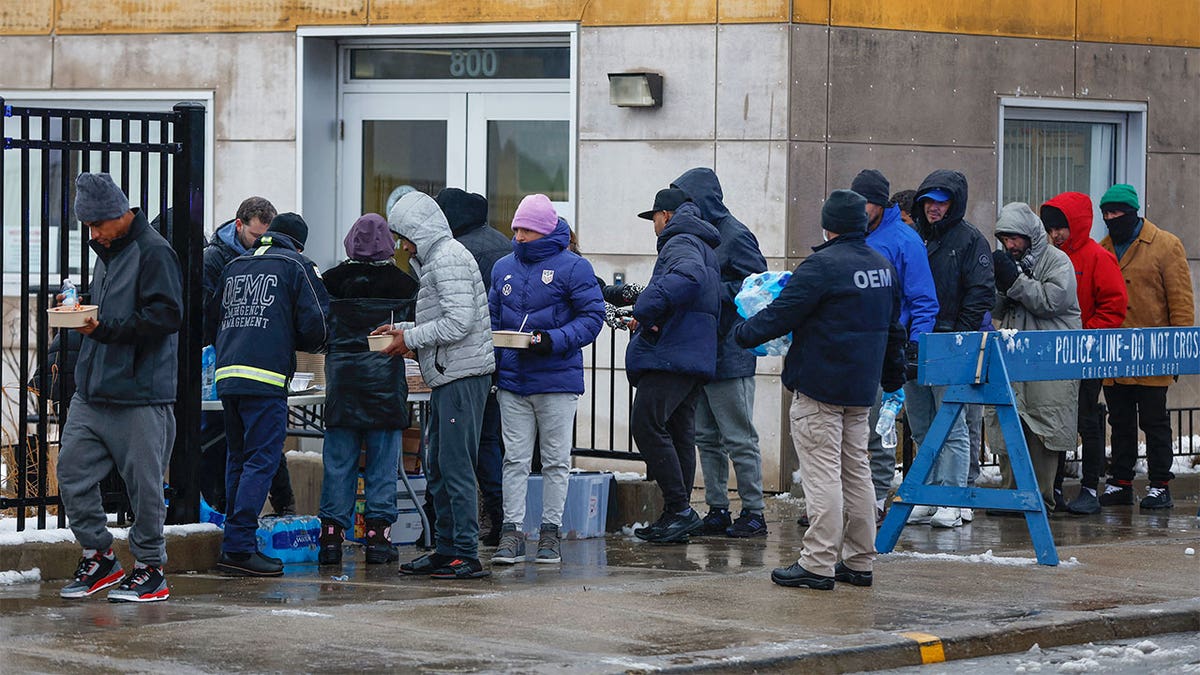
x=467 y=214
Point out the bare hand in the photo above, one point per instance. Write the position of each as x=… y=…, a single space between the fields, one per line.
x=632 y=323
x=398 y=346
x=89 y=326
x=385 y=328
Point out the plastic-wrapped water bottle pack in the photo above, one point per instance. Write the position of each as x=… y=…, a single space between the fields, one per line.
x=758 y=290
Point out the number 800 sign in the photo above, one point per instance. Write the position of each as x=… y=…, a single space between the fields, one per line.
x=473 y=63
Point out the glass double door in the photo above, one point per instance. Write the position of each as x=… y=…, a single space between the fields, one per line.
x=503 y=146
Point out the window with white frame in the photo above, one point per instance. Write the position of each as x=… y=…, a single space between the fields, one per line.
x=1048 y=147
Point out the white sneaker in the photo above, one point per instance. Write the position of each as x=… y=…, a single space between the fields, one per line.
x=946 y=517
x=921 y=514
x=967 y=515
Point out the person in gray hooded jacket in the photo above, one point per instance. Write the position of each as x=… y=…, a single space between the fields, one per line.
x=1035 y=290
x=453 y=341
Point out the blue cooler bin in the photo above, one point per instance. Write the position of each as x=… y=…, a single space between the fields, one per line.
x=585 y=512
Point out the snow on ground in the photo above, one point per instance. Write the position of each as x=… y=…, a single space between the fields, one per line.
x=300 y=612
x=17 y=577
x=628 y=476
x=986 y=557
x=10 y=537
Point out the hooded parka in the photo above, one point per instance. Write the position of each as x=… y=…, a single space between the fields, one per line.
x=1098 y=282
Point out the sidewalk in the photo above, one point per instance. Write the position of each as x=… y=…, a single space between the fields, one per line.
x=624 y=605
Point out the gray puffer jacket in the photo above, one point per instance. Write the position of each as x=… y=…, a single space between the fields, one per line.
x=452 y=332
x=1043 y=300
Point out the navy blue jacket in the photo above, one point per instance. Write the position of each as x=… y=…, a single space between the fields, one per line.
x=959 y=258
x=271 y=303
x=557 y=290
x=682 y=301
x=738 y=256
x=903 y=247
x=842 y=306
x=467 y=214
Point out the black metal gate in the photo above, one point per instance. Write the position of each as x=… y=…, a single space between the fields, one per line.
x=158 y=160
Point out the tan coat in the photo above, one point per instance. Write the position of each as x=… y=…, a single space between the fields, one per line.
x=1156 y=275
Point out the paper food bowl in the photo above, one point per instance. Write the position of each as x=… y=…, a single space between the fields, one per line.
x=71 y=317
x=511 y=339
x=377 y=343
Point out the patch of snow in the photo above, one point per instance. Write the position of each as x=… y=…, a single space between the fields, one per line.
x=789 y=498
x=989 y=476
x=986 y=557
x=958 y=340
x=10 y=537
x=628 y=529
x=10 y=577
x=1189 y=551
x=1079 y=666
x=300 y=612
x=628 y=476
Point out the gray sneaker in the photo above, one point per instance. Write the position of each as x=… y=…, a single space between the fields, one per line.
x=512 y=546
x=548 y=546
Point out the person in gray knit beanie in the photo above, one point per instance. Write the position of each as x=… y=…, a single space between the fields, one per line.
x=97 y=198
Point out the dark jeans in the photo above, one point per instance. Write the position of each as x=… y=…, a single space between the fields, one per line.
x=1091 y=432
x=663 y=421
x=1131 y=406
x=255 y=428
x=491 y=457
x=455 y=419
x=212 y=467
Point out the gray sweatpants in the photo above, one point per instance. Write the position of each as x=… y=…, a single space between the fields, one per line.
x=551 y=418
x=725 y=432
x=137 y=440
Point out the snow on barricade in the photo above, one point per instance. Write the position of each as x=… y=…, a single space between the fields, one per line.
x=10 y=537
x=987 y=557
x=10 y=577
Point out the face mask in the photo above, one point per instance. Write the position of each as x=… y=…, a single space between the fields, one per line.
x=1121 y=228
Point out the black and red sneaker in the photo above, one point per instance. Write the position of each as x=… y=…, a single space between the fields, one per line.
x=462 y=568
x=93 y=575
x=144 y=584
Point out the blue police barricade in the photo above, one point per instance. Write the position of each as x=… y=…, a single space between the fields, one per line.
x=980 y=367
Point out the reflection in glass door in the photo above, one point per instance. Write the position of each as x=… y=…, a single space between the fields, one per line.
x=401 y=152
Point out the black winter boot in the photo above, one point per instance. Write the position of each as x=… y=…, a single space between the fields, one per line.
x=380 y=548
x=332 y=537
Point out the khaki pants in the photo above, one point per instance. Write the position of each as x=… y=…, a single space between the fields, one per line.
x=831 y=442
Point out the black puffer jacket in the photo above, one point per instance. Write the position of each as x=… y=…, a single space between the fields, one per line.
x=365 y=389
x=467 y=214
x=959 y=257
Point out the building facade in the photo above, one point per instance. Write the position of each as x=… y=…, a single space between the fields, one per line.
x=324 y=106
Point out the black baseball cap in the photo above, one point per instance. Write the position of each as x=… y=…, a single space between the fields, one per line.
x=669 y=199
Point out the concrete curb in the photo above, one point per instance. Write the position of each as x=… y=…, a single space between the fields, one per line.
x=882 y=650
x=193 y=552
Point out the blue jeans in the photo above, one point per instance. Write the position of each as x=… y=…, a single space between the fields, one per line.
x=455 y=420
x=340 y=455
x=953 y=462
x=255 y=427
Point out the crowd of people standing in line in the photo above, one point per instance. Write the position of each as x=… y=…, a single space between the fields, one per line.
x=890 y=270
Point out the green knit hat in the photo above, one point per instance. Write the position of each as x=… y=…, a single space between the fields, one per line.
x=1121 y=193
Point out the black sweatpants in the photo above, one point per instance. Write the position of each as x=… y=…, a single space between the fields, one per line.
x=663 y=422
x=1131 y=406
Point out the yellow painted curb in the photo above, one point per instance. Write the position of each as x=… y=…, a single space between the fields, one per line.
x=931 y=647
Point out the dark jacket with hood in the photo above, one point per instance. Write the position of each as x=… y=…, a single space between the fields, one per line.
x=272 y=303
x=545 y=287
x=842 y=306
x=1098 y=281
x=365 y=389
x=959 y=257
x=132 y=356
x=738 y=256
x=223 y=247
x=682 y=301
x=467 y=214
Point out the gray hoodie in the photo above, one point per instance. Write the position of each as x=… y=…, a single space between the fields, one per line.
x=452 y=332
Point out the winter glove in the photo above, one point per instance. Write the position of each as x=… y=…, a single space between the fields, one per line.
x=1027 y=262
x=889 y=396
x=541 y=343
x=617 y=318
x=1006 y=270
x=623 y=295
x=910 y=360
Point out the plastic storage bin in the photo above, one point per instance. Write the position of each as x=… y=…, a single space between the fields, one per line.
x=585 y=512
x=407 y=528
x=418 y=485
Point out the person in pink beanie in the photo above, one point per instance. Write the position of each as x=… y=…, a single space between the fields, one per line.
x=535 y=213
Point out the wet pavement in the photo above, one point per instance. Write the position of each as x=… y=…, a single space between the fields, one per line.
x=623 y=605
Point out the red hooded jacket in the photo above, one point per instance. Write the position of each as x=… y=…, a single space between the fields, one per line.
x=1098 y=280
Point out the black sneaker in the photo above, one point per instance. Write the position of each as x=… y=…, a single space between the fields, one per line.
x=796 y=576
x=1157 y=497
x=380 y=549
x=330 y=542
x=461 y=568
x=93 y=575
x=1060 y=502
x=748 y=524
x=1117 y=493
x=653 y=528
x=1086 y=503
x=425 y=564
x=716 y=522
x=489 y=528
x=803 y=520
x=678 y=529
x=849 y=576
x=249 y=565
x=145 y=584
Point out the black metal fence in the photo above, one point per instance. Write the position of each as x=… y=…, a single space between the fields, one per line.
x=158 y=160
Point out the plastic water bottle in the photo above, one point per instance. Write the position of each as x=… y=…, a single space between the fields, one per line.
x=758 y=290
x=208 y=373
x=70 y=293
x=886 y=426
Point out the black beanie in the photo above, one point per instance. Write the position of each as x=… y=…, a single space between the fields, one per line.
x=1053 y=218
x=873 y=186
x=844 y=211
x=292 y=225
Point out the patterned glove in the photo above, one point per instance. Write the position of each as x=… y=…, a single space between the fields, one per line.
x=1027 y=262
x=541 y=343
x=623 y=295
x=617 y=318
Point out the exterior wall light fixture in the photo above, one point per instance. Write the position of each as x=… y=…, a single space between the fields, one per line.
x=635 y=90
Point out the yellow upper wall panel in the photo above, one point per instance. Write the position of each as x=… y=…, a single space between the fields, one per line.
x=1159 y=22
x=648 y=12
x=1054 y=19
x=26 y=17
x=473 y=11
x=753 y=11
x=193 y=16
x=810 y=11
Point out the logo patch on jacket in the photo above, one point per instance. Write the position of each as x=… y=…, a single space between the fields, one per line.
x=507 y=289
x=547 y=276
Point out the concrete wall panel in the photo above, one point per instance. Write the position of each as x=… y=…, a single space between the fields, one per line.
x=809 y=83
x=1019 y=18
x=1163 y=22
x=806 y=194
x=258 y=168
x=153 y=16
x=753 y=178
x=1167 y=78
x=752 y=73
x=1173 y=197
x=617 y=180
x=958 y=79
x=686 y=58
x=27 y=62
x=253 y=102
